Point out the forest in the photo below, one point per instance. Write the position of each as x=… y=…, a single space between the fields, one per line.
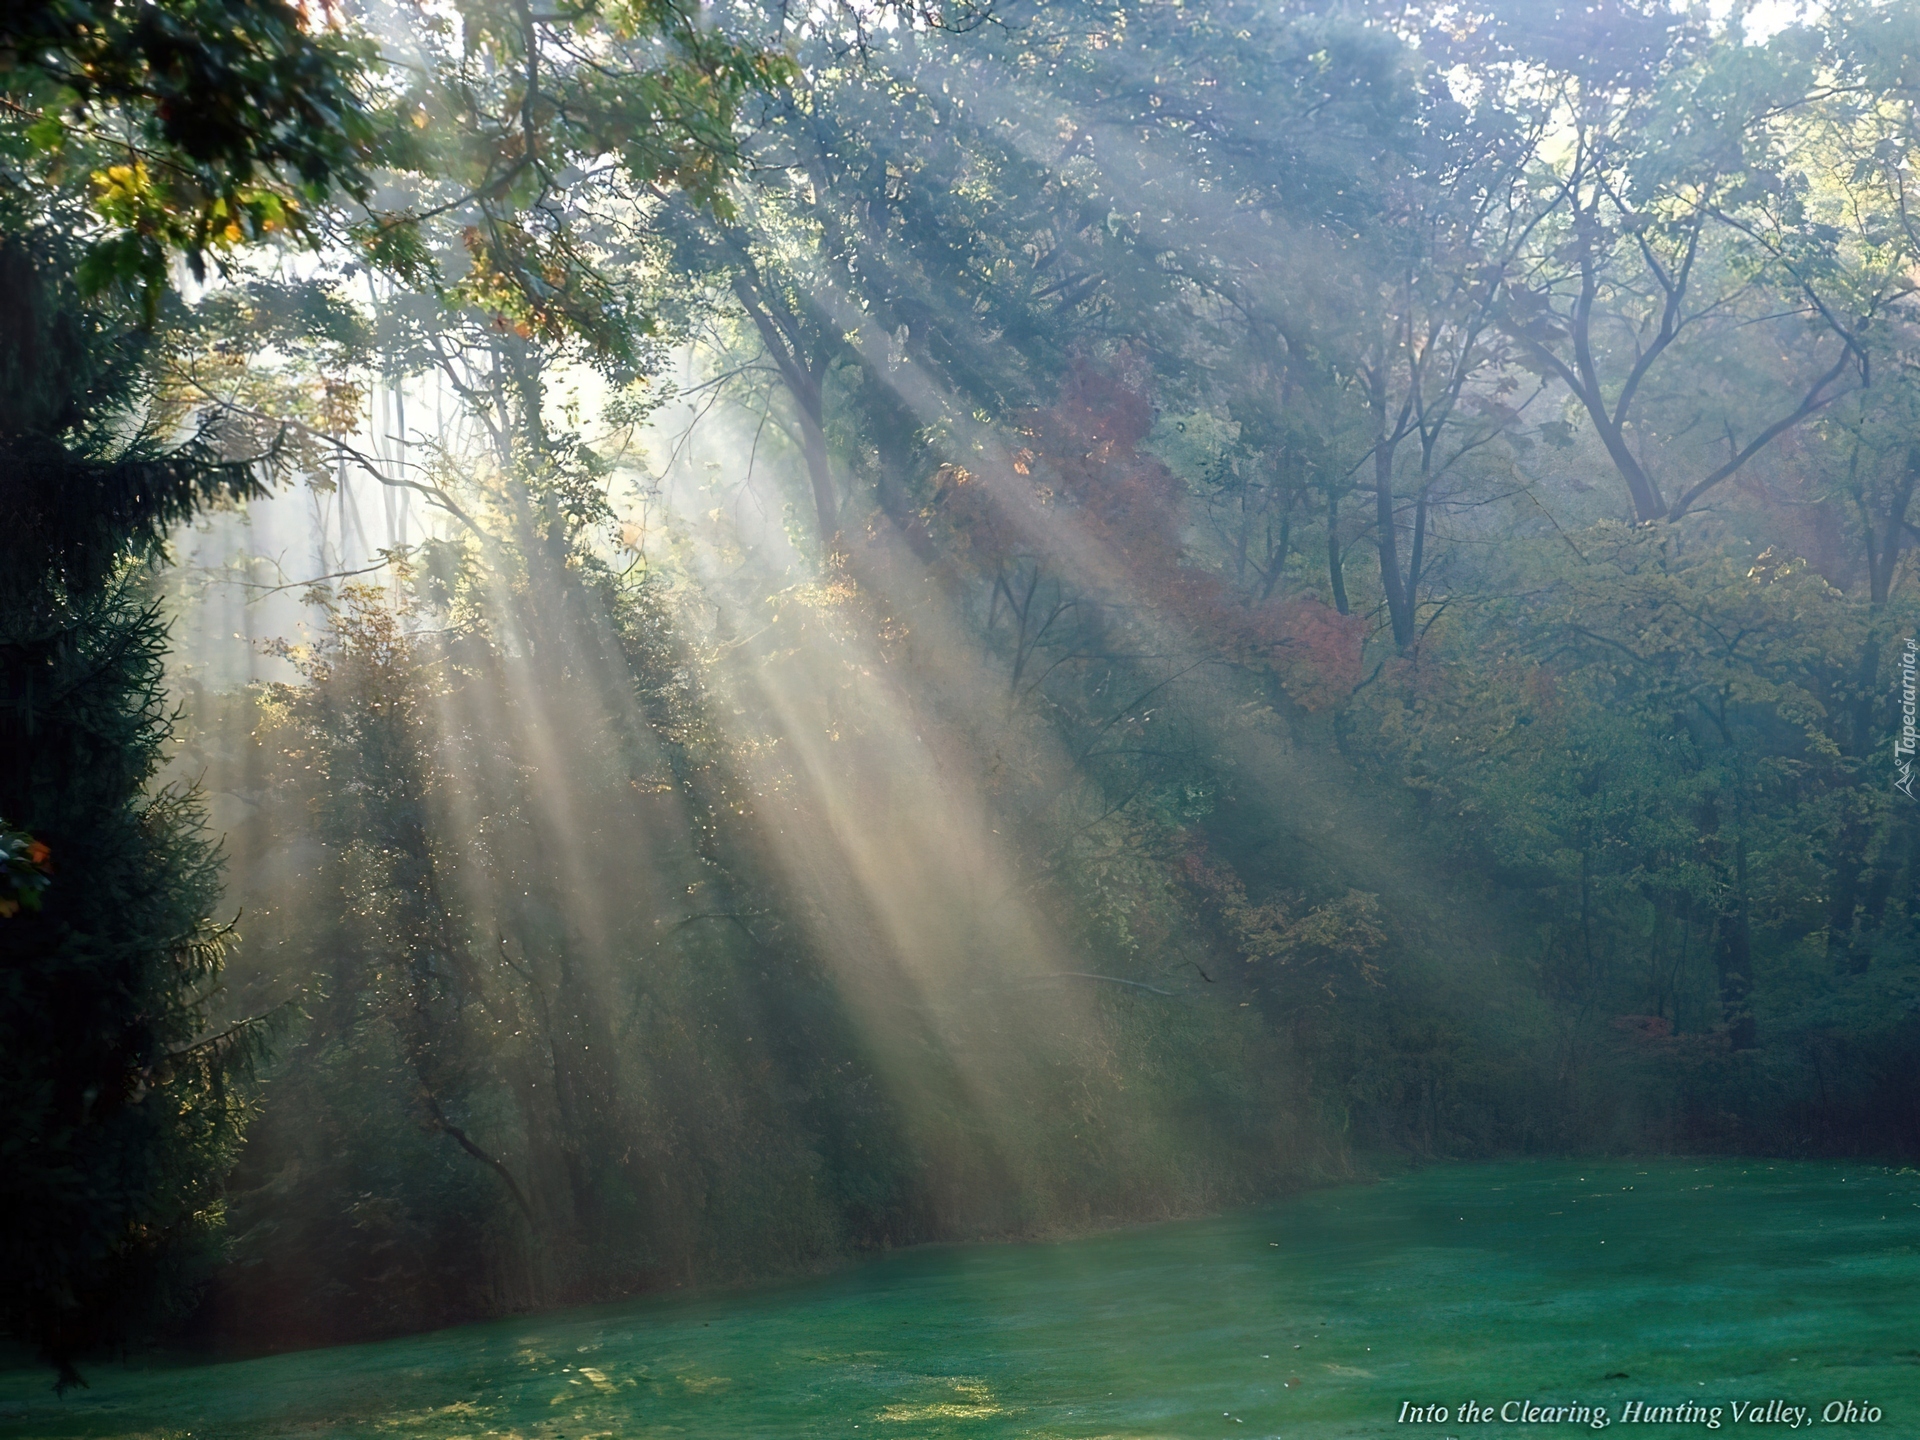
x=648 y=645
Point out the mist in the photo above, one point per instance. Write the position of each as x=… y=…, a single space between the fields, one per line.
x=665 y=653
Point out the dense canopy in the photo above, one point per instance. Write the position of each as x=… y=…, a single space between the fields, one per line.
x=651 y=643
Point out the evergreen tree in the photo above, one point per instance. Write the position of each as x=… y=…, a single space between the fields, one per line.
x=131 y=135
x=120 y=1110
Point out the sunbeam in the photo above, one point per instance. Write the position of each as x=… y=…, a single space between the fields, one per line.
x=673 y=647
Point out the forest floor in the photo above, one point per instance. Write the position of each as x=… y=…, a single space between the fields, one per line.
x=1707 y=1285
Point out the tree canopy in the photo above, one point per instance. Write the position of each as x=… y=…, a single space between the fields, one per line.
x=988 y=617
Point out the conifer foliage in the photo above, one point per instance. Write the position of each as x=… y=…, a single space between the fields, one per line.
x=132 y=135
x=119 y=1109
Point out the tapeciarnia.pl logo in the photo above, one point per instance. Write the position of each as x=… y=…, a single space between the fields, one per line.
x=1903 y=745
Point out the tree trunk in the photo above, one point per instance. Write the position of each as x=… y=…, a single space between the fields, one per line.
x=1848 y=860
x=1733 y=957
x=805 y=379
x=1336 y=570
x=1883 y=558
x=1398 y=593
x=813 y=442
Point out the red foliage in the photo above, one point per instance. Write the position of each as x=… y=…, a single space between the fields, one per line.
x=1081 y=467
x=1319 y=658
x=1543 y=692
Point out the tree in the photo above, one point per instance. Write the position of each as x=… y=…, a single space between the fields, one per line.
x=193 y=129
x=135 y=134
x=202 y=126
x=121 y=1111
x=1650 y=240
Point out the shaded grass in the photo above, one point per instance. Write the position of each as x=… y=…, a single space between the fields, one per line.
x=1582 y=1282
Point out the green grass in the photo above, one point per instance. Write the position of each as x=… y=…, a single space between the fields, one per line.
x=1593 y=1283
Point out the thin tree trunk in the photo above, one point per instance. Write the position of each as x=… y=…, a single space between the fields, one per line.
x=826 y=502
x=1336 y=572
x=465 y=1142
x=1733 y=956
x=1399 y=601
